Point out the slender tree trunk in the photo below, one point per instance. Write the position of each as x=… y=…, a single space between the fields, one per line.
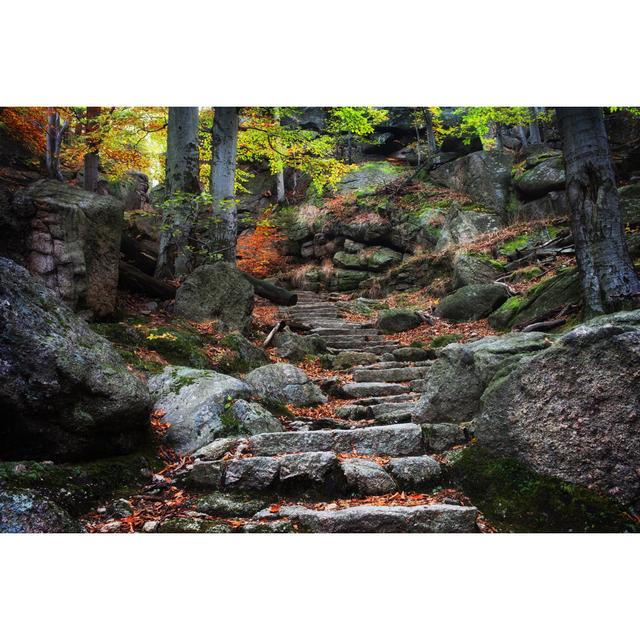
x=224 y=230
x=182 y=185
x=418 y=153
x=54 y=134
x=534 y=127
x=91 y=159
x=429 y=132
x=280 y=190
x=522 y=136
x=498 y=135
x=608 y=279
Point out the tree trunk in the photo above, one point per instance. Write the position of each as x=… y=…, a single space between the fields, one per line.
x=181 y=185
x=132 y=279
x=54 y=134
x=280 y=190
x=278 y=295
x=534 y=127
x=224 y=230
x=91 y=159
x=609 y=282
x=498 y=134
x=522 y=136
x=429 y=132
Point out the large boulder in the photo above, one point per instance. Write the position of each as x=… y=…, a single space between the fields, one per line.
x=216 y=291
x=65 y=393
x=396 y=320
x=469 y=268
x=285 y=384
x=201 y=406
x=462 y=226
x=25 y=511
x=485 y=176
x=296 y=348
x=573 y=411
x=366 y=228
x=547 y=175
x=458 y=378
x=416 y=229
x=73 y=242
x=549 y=296
x=472 y=302
x=371 y=176
x=131 y=190
x=554 y=204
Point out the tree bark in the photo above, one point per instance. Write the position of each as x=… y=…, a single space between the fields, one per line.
x=182 y=184
x=429 y=132
x=54 y=134
x=224 y=230
x=522 y=136
x=608 y=279
x=534 y=128
x=91 y=159
x=280 y=190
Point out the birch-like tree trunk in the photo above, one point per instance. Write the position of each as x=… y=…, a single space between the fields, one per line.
x=280 y=190
x=429 y=132
x=182 y=185
x=224 y=229
x=609 y=281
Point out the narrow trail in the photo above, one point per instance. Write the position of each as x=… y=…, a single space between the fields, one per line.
x=377 y=456
x=366 y=468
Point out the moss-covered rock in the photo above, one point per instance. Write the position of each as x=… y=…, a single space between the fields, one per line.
x=472 y=302
x=550 y=295
x=77 y=487
x=516 y=499
x=246 y=356
x=396 y=320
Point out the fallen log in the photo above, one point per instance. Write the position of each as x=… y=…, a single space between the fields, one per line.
x=133 y=279
x=135 y=253
x=277 y=295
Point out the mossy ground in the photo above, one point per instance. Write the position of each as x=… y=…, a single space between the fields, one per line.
x=516 y=499
x=76 y=487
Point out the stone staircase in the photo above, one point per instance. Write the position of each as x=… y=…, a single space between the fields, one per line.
x=377 y=451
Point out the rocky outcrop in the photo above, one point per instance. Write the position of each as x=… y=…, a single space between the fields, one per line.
x=572 y=411
x=64 y=391
x=474 y=269
x=472 y=302
x=25 y=511
x=395 y=320
x=72 y=238
x=462 y=226
x=201 y=406
x=458 y=378
x=484 y=176
x=549 y=296
x=216 y=292
x=542 y=177
x=286 y=384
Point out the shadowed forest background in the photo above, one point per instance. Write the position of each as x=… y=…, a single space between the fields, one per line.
x=347 y=319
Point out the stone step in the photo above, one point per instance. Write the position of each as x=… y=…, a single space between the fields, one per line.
x=372 y=389
x=432 y=518
x=394 y=415
x=390 y=440
x=376 y=349
x=384 y=408
x=359 y=338
x=346 y=330
x=318 y=472
x=402 y=397
x=402 y=374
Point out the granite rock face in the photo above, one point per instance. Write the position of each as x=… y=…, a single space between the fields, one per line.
x=65 y=393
